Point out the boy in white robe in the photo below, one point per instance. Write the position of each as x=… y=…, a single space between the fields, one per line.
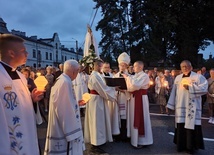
x=185 y=99
x=80 y=84
x=18 y=133
x=97 y=129
x=64 y=133
x=140 y=123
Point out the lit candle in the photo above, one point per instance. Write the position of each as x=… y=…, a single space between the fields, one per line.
x=40 y=82
x=185 y=81
x=151 y=82
x=165 y=83
x=38 y=73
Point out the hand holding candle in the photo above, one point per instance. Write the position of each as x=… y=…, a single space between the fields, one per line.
x=40 y=83
x=186 y=83
x=85 y=98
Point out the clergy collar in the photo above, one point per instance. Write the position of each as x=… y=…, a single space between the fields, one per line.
x=106 y=74
x=186 y=75
x=7 y=67
x=12 y=73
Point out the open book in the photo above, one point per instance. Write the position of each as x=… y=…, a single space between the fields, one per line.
x=116 y=82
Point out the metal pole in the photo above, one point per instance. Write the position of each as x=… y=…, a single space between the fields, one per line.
x=77 y=49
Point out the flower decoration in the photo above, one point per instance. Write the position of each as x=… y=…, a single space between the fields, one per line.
x=89 y=59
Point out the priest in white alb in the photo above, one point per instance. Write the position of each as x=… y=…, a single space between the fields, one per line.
x=113 y=108
x=121 y=115
x=18 y=134
x=97 y=129
x=140 y=123
x=185 y=99
x=64 y=132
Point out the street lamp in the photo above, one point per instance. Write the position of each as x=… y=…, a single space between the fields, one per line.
x=76 y=41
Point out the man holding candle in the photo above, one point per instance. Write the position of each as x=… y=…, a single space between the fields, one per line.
x=185 y=99
x=64 y=133
x=17 y=118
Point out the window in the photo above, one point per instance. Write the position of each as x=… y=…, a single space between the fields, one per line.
x=50 y=56
x=39 y=56
x=34 y=53
x=56 y=57
x=46 y=55
x=34 y=65
x=65 y=58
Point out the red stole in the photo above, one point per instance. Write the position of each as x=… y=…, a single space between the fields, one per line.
x=138 y=111
x=94 y=92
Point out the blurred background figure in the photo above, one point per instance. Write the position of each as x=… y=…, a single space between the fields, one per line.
x=58 y=72
x=31 y=85
x=49 y=76
x=204 y=97
x=162 y=90
x=151 y=89
x=210 y=96
x=131 y=70
x=106 y=70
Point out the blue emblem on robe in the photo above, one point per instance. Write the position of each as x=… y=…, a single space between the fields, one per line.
x=10 y=98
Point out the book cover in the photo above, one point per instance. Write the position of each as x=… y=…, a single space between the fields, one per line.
x=116 y=82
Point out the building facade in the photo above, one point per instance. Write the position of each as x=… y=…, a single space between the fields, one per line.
x=44 y=51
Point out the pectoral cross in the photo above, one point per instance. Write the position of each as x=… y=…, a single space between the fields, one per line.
x=58 y=145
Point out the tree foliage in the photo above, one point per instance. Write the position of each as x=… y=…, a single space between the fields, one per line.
x=155 y=30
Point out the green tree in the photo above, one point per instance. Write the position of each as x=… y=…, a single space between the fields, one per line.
x=154 y=30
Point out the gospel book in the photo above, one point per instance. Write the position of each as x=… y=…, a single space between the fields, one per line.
x=116 y=82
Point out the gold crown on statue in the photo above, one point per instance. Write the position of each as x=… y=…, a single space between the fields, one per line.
x=8 y=87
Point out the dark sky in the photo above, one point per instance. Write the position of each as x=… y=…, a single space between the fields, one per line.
x=69 y=18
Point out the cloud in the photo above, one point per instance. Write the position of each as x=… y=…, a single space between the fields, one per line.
x=69 y=18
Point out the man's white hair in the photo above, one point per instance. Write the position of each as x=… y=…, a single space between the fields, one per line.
x=70 y=65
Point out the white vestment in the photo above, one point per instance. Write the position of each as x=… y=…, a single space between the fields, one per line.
x=187 y=103
x=89 y=39
x=18 y=133
x=64 y=122
x=97 y=129
x=122 y=109
x=136 y=82
x=80 y=85
x=113 y=112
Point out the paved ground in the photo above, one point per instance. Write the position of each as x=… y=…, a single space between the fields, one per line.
x=163 y=129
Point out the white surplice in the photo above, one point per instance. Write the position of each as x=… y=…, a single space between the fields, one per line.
x=80 y=85
x=113 y=111
x=121 y=111
x=187 y=103
x=18 y=133
x=97 y=129
x=64 y=122
x=136 y=82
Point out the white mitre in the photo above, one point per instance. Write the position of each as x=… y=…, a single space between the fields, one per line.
x=124 y=57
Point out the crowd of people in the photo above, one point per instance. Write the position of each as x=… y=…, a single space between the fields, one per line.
x=111 y=114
